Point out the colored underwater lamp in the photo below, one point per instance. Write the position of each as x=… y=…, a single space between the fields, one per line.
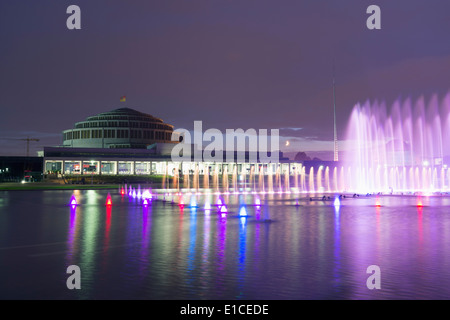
x=377 y=203
x=108 y=200
x=337 y=202
x=73 y=201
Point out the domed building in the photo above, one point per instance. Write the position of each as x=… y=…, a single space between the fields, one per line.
x=119 y=128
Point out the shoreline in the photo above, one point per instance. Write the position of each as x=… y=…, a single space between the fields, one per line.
x=29 y=186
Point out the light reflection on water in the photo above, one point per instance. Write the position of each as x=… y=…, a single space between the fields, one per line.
x=262 y=247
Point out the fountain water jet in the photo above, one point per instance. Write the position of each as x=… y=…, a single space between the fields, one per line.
x=401 y=149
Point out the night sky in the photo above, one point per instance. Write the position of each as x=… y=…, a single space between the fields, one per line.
x=232 y=64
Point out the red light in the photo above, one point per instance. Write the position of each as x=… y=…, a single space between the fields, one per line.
x=122 y=191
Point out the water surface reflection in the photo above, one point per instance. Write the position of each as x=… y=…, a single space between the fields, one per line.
x=273 y=246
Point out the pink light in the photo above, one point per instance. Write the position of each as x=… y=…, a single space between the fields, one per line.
x=108 y=200
x=419 y=203
x=145 y=202
x=377 y=203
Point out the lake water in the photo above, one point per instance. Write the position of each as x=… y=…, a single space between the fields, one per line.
x=288 y=247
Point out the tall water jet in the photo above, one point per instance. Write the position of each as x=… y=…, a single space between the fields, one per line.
x=234 y=179
x=163 y=182
x=287 y=186
x=195 y=179
x=186 y=178
x=401 y=149
x=303 y=179
x=225 y=179
x=327 y=179
x=176 y=180
x=206 y=178
x=335 y=180
x=261 y=179
x=270 y=179
x=251 y=179
x=216 y=178
x=278 y=179
x=296 y=179
x=311 y=180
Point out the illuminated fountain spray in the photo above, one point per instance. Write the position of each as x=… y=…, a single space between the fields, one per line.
x=195 y=179
x=186 y=182
x=216 y=179
x=296 y=182
x=278 y=179
x=139 y=194
x=269 y=179
x=319 y=179
x=243 y=177
x=327 y=179
x=225 y=179
x=164 y=182
x=176 y=181
x=401 y=150
x=234 y=179
x=206 y=178
x=287 y=185
x=261 y=179
x=251 y=178
x=311 y=180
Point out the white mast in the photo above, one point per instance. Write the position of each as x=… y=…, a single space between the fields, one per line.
x=336 y=156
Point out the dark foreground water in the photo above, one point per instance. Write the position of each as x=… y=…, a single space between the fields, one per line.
x=313 y=250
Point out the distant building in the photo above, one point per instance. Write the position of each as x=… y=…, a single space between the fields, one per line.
x=119 y=128
x=128 y=142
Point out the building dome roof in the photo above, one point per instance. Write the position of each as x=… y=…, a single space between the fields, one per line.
x=118 y=128
x=124 y=114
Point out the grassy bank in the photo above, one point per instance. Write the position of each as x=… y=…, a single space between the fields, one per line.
x=85 y=183
x=53 y=186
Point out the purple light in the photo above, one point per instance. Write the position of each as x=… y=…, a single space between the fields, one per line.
x=73 y=201
x=223 y=209
x=146 y=194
